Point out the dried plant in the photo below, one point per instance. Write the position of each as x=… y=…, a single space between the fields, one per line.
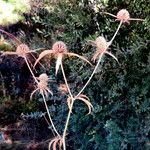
x=59 y=50
x=123 y=16
x=56 y=141
x=101 y=48
x=42 y=86
x=22 y=50
x=83 y=98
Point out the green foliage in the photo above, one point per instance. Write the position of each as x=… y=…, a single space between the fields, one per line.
x=11 y=10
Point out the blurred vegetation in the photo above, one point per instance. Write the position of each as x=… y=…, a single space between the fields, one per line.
x=11 y=11
x=120 y=93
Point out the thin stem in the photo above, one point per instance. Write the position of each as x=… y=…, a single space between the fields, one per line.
x=42 y=96
x=72 y=102
x=48 y=124
x=70 y=110
x=46 y=106
x=115 y=33
x=67 y=123
x=109 y=14
x=68 y=88
x=100 y=57
x=137 y=19
x=30 y=70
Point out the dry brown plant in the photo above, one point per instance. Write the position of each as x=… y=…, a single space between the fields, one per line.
x=58 y=51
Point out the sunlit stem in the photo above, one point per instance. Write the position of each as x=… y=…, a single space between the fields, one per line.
x=48 y=124
x=67 y=123
x=46 y=106
x=70 y=110
x=99 y=60
x=66 y=82
x=30 y=70
x=115 y=33
x=72 y=102
x=136 y=19
x=109 y=14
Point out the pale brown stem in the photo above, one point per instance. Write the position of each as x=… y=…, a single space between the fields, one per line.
x=30 y=70
x=46 y=106
x=70 y=110
x=100 y=57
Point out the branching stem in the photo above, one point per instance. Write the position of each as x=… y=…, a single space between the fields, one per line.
x=100 y=57
x=46 y=106
x=70 y=110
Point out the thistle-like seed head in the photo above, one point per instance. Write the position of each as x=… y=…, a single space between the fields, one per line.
x=123 y=15
x=101 y=43
x=42 y=85
x=22 y=50
x=43 y=77
x=59 y=47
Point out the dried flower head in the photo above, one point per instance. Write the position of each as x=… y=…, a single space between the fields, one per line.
x=59 y=47
x=22 y=50
x=42 y=86
x=83 y=98
x=54 y=142
x=123 y=16
x=101 y=43
x=43 y=77
x=59 y=50
x=101 y=47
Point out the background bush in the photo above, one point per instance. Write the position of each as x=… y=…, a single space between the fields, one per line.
x=119 y=92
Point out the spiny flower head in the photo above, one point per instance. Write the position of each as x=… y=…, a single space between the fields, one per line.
x=101 y=48
x=22 y=50
x=42 y=85
x=43 y=77
x=59 y=47
x=43 y=81
x=101 y=43
x=59 y=50
x=123 y=15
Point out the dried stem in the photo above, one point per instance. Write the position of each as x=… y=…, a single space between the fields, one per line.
x=115 y=33
x=100 y=57
x=72 y=102
x=46 y=106
x=70 y=110
x=99 y=60
x=30 y=70
x=11 y=36
x=48 y=124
